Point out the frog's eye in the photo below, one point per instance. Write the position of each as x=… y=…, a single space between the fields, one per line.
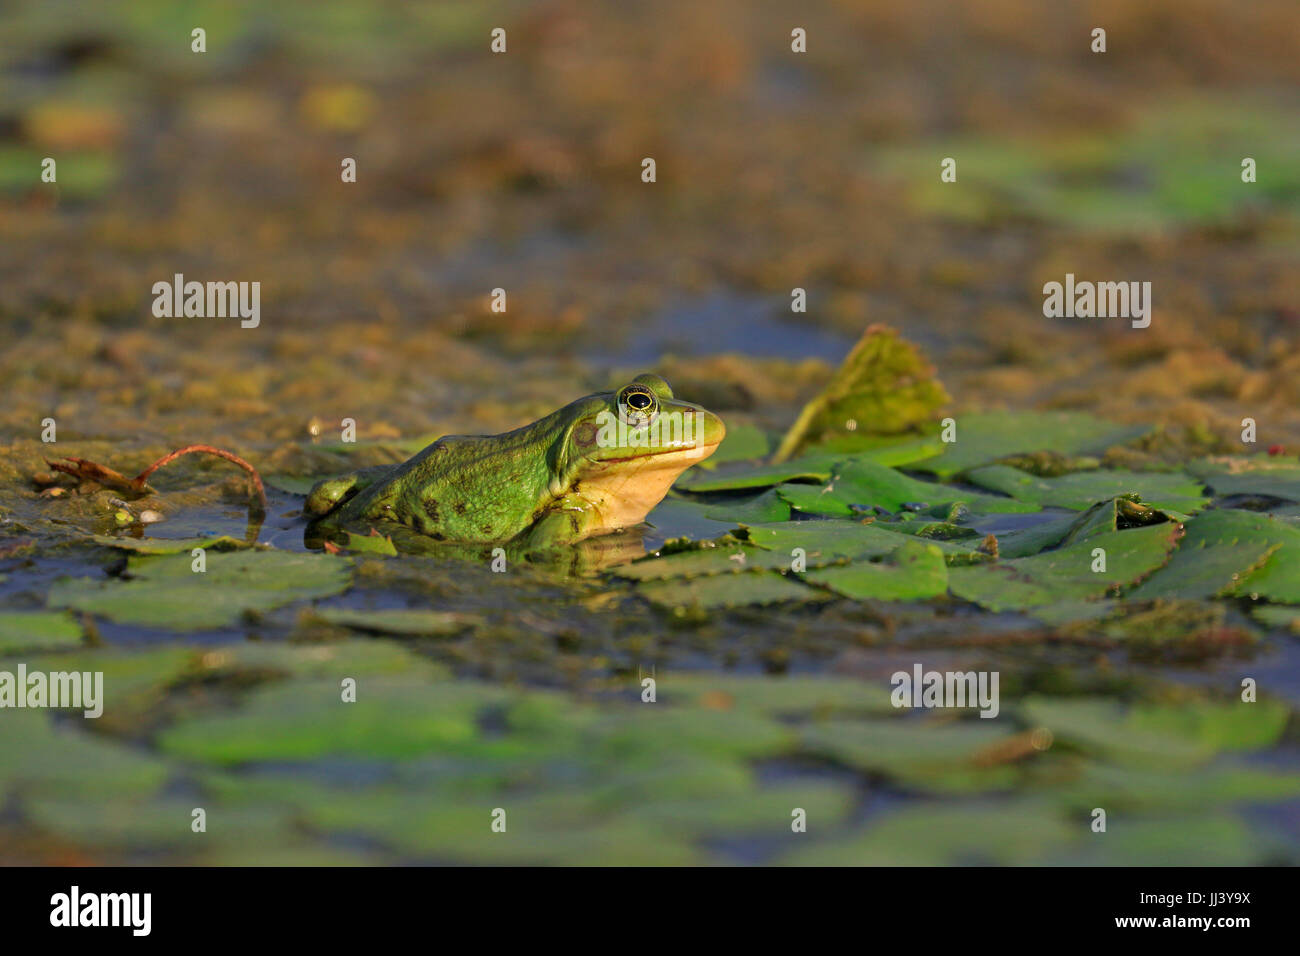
x=637 y=405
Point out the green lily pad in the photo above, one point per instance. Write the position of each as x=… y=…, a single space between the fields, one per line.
x=304 y=719
x=1217 y=553
x=1274 y=478
x=835 y=541
x=731 y=510
x=986 y=437
x=729 y=590
x=743 y=443
x=812 y=467
x=1208 y=839
x=783 y=695
x=1232 y=726
x=1066 y=574
x=1287 y=618
x=925 y=754
x=1278 y=577
x=884 y=386
x=1102 y=728
x=914 y=572
x=219 y=542
x=164 y=591
x=412 y=622
x=1005 y=834
x=42 y=758
x=1101 y=785
x=1082 y=489
x=857 y=486
x=293 y=484
x=32 y=630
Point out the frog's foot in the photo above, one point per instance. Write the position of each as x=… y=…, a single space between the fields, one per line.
x=325 y=496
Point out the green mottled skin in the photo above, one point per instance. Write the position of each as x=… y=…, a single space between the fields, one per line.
x=551 y=482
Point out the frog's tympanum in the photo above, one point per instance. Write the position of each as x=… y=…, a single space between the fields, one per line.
x=598 y=465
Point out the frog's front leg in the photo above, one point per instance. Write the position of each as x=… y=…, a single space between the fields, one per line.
x=328 y=494
x=567 y=520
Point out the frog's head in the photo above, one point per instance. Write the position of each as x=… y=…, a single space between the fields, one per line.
x=622 y=450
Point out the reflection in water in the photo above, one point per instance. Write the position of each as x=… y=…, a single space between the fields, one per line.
x=579 y=559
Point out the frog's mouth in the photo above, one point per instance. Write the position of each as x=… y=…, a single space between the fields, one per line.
x=689 y=455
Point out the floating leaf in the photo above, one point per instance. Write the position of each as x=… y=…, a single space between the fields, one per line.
x=1278 y=578
x=814 y=467
x=1250 y=476
x=403 y=622
x=1219 y=549
x=1082 y=489
x=1006 y=833
x=986 y=437
x=303 y=719
x=1101 y=728
x=40 y=757
x=832 y=541
x=1066 y=574
x=729 y=590
x=743 y=443
x=857 y=486
x=164 y=591
x=37 y=630
x=914 y=572
x=220 y=542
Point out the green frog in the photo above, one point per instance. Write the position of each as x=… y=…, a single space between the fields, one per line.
x=597 y=465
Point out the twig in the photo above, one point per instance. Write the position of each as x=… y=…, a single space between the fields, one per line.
x=91 y=471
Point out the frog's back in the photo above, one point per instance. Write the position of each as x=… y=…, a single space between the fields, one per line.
x=460 y=488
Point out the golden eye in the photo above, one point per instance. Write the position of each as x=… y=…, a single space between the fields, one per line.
x=637 y=405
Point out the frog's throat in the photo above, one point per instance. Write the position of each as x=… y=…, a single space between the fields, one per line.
x=622 y=492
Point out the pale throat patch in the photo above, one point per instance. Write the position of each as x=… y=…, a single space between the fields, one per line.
x=623 y=493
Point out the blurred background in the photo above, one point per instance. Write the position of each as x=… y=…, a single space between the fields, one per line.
x=522 y=171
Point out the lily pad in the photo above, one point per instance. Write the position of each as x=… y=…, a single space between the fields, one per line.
x=814 y=467
x=1006 y=833
x=411 y=622
x=914 y=572
x=220 y=542
x=984 y=438
x=32 y=630
x=1066 y=574
x=303 y=719
x=729 y=590
x=884 y=386
x=165 y=592
x=39 y=757
x=1082 y=489
x=743 y=443
x=1216 y=555
x=1250 y=476
x=857 y=486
